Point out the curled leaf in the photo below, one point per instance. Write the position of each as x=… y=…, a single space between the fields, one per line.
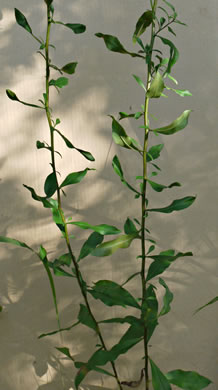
x=179 y=124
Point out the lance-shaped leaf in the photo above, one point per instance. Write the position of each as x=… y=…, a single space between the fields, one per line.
x=65 y=352
x=112 y=294
x=154 y=152
x=84 y=369
x=22 y=21
x=159 y=380
x=42 y=199
x=163 y=261
x=65 y=259
x=85 y=154
x=11 y=95
x=75 y=177
x=167 y=299
x=149 y=315
x=121 y=138
x=180 y=92
x=58 y=271
x=85 y=317
x=50 y=185
x=118 y=169
x=129 y=227
x=13 y=241
x=143 y=22
x=81 y=374
x=207 y=304
x=58 y=331
x=179 y=124
x=157 y=87
x=109 y=247
x=140 y=82
x=101 y=229
x=174 y=54
x=121 y=320
x=77 y=28
x=176 y=205
x=60 y=82
x=113 y=44
x=160 y=187
x=187 y=380
x=69 y=68
x=90 y=244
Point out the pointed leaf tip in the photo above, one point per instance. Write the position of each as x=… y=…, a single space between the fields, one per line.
x=22 y=21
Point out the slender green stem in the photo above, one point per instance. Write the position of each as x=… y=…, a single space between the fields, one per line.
x=143 y=203
x=66 y=234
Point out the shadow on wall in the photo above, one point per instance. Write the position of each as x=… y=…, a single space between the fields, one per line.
x=102 y=85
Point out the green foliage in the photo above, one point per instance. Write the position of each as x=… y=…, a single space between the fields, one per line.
x=187 y=380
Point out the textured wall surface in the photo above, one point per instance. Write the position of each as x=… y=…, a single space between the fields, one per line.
x=102 y=85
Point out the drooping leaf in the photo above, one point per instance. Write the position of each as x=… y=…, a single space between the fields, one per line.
x=181 y=92
x=13 y=241
x=102 y=229
x=167 y=299
x=174 y=54
x=154 y=152
x=207 y=304
x=90 y=244
x=85 y=154
x=176 y=205
x=69 y=68
x=121 y=138
x=65 y=352
x=109 y=247
x=58 y=270
x=129 y=227
x=187 y=380
x=85 y=318
x=171 y=31
x=118 y=169
x=22 y=21
x=77 y=28
x=163 y=261
x=159 y=380
x=74 y=178
x=160 y=187
x=157 y=86
x=143 y=22
x=113 y=44
x=140 y=82
x=81 y=374
x=60 y=82
x=149 y=314
x=58 y=331
x=50 y=186
x=42 y=199
x=11 y=95
x=112 y=294
x=65 y=259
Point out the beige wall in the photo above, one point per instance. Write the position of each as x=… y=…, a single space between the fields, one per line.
x=103 y=85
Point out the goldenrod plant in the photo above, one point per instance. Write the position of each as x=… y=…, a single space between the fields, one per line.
x=150 y=264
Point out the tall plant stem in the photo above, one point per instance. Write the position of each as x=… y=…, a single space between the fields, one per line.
x=144 y=188
x=66 y=234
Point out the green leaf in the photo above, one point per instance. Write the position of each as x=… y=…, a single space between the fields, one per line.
x=69 y=68
x=65 y=352
x=154 y=152
x=121 y=138
x=13 y=241
x=11 y=95
x=176 y=205
x=140 y=82
x=149 y=314
x=136 y=115
x=187 y=380
x=102 y=229
x=81 y=374
x=85 y=318
x=143 y=22
x=181 y=92
x=50 y=186
x=109 y=247
x=65 y=259
x=179 y=124
x=90 y=244
x=44 y=200
x=118 y=169
x=75 y=177
x=159 y=380
x=112 y=294
x=129 y=227
x=167 y=299
x=130 y=278
x=207 y=304
x=77 y=28
x=170 y=5
x=1 y=308
x=163 y=261
x=57 y=331
x=157 y=87
x=60 y=82
x=174 y=54
x=160 y=187
x=113 y=44
x=22 y=21
x=85 y=154
x=124 y=320
x=171 y=31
